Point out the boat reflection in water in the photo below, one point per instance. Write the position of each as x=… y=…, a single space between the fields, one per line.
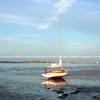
x=56 y=85
x=53 y=82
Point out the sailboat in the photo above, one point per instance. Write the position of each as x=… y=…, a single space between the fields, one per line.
x=57 y=70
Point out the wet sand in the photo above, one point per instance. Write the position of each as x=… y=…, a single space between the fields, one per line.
x=67 y=93
x=95 y=73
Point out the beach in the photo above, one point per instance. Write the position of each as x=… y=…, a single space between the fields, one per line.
x=24 y=82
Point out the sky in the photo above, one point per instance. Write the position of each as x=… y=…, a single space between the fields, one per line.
x=29 y=27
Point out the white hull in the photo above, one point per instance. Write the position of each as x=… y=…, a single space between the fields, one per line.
x=51 y=75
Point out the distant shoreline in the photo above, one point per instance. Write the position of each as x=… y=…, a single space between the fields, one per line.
x=45 y=62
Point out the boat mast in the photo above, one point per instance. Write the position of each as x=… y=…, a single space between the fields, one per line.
x=58 y=38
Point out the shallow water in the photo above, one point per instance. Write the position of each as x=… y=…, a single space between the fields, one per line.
x=25 y=81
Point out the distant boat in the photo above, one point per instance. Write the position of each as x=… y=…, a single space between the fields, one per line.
x=57 y=70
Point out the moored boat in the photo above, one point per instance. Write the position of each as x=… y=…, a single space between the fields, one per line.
x=56 y=71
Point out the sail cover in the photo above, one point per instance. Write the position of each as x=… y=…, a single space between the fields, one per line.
x=53 y=65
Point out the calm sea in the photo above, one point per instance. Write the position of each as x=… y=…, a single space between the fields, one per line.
x=27 y=79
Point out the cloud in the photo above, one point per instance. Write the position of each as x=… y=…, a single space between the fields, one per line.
x=43 y=26
x=15 y=19
x=85 y=17
x=19 y=20
x=16 y=37
x=81 y=46
x=42 y=1
x=63 y=5
x=23 y=35
x=59 y=7
x=9 y=39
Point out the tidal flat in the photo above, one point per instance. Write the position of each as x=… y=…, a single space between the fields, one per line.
x=20 y=81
